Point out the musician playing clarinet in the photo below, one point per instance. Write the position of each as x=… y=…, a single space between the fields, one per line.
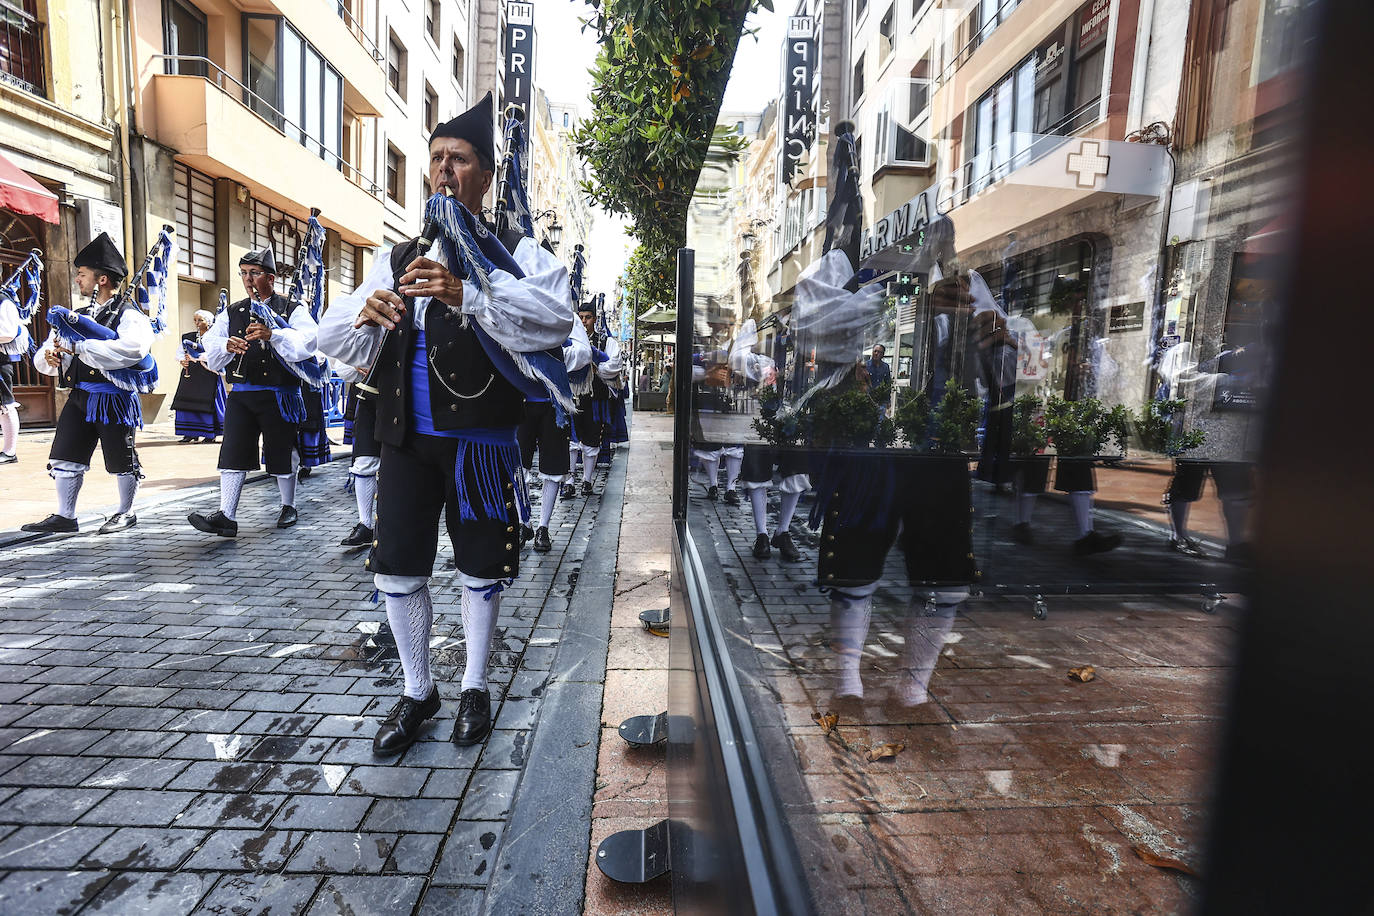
x=97 y=410
x=448 y=405
x=264 y=409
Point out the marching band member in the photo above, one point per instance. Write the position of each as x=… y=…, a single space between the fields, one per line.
x=265 y=404
x=452 y=357
x=98 y=410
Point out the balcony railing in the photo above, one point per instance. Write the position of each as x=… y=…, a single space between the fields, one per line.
x=21 y=49
x=271 y=116
x=356 y=27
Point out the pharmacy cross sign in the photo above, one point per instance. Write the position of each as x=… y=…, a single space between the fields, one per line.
x=1088 y=163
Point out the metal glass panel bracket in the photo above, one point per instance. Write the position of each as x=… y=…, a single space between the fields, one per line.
x=635 y=856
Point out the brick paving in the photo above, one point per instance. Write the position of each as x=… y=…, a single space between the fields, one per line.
x=186 y=722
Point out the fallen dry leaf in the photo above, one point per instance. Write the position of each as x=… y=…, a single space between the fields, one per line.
x=1084 y=674
x=827 y=722
x=884 y=751
x=1158 y=861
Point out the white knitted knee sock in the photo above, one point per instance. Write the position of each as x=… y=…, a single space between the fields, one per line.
x=479 y=623
x=230 y=488
x=412 y=618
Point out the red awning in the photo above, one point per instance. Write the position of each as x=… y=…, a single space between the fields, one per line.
x=1269 y=239
x=20 y=193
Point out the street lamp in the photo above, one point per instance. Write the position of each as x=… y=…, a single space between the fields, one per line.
x=555 y=233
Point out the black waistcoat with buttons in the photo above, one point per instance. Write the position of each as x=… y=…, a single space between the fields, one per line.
x=107 y=315
x=465 y=389
x=260 y=366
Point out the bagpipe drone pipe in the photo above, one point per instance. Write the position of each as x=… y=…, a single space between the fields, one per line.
x=307 y=291
x=71 y=327
x=23 y=287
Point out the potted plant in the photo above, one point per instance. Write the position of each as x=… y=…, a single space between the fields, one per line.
x=1160 y=428
x=1082 y=431
x=1030 y=436
x=951 y=429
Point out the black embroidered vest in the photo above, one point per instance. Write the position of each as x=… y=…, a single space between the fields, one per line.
x=259 y=365
x=465 y=389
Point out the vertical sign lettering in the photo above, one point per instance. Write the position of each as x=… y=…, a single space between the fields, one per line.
x=799 y=116
x=519 y=53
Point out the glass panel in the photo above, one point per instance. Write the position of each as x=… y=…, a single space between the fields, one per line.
x=186 y=37
x=314 y=113
x=333 y=111
x=264 y=85
x=292 y=94
x=1050 y=463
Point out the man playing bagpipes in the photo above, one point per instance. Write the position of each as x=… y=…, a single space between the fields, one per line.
x=15 y=343
x=100 y=350
x=455 y=343
x=199 y=401
x=594 y=413
x=265 y=344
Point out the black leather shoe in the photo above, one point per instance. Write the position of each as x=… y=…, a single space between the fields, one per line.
x=526 y=532
x=568 y=491
x=7 y=458
x=303 y=473
x=118 y=522
x=761 y=550
x=402 y=726
x=474 y=717
x=53 y=524
x=783 y=541
x=1187 y=546
x=541 y=540
x=288 y=517
x=1092 y=542
x=712 y=492
x=587 y=488
x=731 y=498
x=186 y=439
x=218 y=523
x=360 y=536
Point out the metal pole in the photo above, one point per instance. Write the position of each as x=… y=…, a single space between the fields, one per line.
x=682 y=380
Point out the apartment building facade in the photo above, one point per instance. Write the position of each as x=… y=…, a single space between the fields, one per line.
x=1073 y=151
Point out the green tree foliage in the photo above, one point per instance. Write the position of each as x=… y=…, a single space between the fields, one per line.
x=659 y=79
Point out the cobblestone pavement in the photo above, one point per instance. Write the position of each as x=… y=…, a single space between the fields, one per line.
x=186 y=722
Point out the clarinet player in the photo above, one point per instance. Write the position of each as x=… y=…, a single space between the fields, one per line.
x=447 y=413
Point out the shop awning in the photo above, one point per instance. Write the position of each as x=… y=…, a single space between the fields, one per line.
x=1269 y=240
x=659 y=314
x=21 y=194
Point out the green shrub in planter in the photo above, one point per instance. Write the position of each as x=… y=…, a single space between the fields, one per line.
x=1029 y=433
x=776 y=424
x=1161 y=428
x=912 y=417
x=956 y=421
x=1083 y=428
x=844 y=417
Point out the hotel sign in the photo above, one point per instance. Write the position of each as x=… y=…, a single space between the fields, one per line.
x=519 y=54
x=799 y=115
